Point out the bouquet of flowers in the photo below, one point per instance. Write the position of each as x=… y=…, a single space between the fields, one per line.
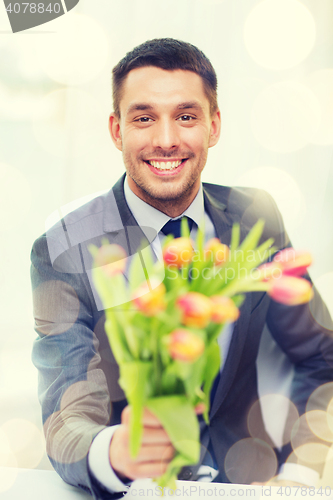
x=164 y=335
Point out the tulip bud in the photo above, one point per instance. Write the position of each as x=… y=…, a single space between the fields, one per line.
x=196 y=309
x=111 y=258
x=223 y=309
x=178 y=252
x=293 y=263
x=216 y=252
x=270 y=270
x=185 y=345
x=290 y=290
x=150 y=301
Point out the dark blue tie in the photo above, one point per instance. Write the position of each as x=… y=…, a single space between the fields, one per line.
x=173 y=226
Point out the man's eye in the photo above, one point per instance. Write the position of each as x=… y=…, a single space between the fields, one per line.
x=186 y=118
x=143 y=119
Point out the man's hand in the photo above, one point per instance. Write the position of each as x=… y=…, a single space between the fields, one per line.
x=155 y=453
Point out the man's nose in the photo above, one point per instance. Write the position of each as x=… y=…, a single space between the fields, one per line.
x=166 y=134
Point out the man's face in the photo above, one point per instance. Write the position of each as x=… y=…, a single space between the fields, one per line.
x=164 y=132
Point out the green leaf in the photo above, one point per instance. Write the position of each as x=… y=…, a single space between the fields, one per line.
x=184 y=228
x=136 y=274
x=253 y=236
x=134 y=380
x=210 y=372
x=116 y=340
x=93 y=249
x=194 y=381
x=181 y=424
x=235 y=237
x=238 y=300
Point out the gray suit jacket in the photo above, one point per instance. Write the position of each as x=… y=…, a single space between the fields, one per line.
x=78 y=375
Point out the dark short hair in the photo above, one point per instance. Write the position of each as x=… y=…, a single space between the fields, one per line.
x=169 y=54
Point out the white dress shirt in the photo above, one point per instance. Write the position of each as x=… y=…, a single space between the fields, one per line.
x=148 y=216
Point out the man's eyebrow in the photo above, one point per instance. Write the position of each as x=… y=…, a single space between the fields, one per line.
x=142 y=106
x=189 y=105
x=139 y=107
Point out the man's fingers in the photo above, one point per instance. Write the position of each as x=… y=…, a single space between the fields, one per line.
x=155 y=436
x=146 y=470
x=148 y=419
x=125 y=415
x=155 y=454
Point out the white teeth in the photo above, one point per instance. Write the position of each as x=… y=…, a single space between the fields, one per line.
x=165 y=165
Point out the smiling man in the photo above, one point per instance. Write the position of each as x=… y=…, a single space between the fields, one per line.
x=165 y=119
x=164 y=126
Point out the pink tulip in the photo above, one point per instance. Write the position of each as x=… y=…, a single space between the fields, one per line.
x=290 y=290
x=270 y=270
x=196 y=309
x=185 y=345
x=216 y=251
x=293 y=263
x=111 y=258
x=223 y=309
x=150 y=301
x=178 y=252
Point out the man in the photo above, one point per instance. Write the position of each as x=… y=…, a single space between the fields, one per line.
x=165 y=118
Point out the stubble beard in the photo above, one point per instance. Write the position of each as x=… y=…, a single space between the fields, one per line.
x=167 y=193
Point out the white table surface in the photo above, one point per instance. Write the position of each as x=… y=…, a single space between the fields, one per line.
x=47 y=485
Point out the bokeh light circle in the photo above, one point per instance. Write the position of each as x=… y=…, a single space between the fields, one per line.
x=321 y=397
x=312 y=453
x=77 y=52
x=321 y=84
x=8 y=463
x=285 y=116
x=26 y=442
x=15 y=199
x=272 y=407
x=279 y=34
x=69 y=436
x=282 y=187
x=68 y=123
x=321 y=424
x=250 y=460
x=330 y=414
x=56 y=307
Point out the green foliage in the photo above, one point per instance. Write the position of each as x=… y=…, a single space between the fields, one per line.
x=149 y=376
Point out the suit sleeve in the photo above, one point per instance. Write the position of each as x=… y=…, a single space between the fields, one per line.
x=73 y=390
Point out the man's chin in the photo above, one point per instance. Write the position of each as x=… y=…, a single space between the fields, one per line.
x=166 y=194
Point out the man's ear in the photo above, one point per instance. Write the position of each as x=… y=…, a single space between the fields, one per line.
x=215 y=129
x=114 y=129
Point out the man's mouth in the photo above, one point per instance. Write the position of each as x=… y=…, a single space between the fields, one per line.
x=165 y=165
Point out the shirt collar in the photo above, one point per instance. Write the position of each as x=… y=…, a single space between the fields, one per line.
x=146 y=215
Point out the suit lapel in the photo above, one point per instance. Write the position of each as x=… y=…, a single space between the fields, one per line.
x=136 y=238
x=223 y=221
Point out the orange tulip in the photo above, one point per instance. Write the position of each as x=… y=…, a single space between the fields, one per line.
x=150 y=301
x=111 y=258
x=269 y=271
x=196 y=309
x=223 y=309
x=185 y=345
x=290 y=290
x=293 y=263
x=216 y=251
x=178 y=252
